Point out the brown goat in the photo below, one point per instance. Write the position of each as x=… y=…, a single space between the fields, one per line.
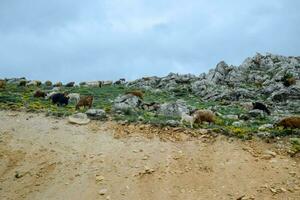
x=136 y=93
x=289 y=122
x=204 y=116
x=2 y=84
x=85 y=101
x=39 y=93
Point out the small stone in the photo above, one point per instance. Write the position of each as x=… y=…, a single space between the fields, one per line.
x=268 y=152
x=283 y=189
x=102 y=191
x=99 y=178
x=273 y=190
x=145 y=158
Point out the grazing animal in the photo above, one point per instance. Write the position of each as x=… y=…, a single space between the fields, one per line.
x=48 y=83
x=58 y=84
x=2 y=84
x=39 y=93
x=49 y=95
x=187 y=118
x=136 y=93
x=107 y=83
x=56 y=89
x=204 y=116
x=289 y=122
x=247 y=105
x=120 y=81
x=34 y=83
x=71 y=84
x=154 y=106
x=261 y=106
x=74 y=97
x=85 y=101
x=60 y=99
x=93 y=84
x=22 y=83
x=146 y=78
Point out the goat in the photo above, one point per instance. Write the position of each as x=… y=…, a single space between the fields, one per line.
x=39 y=93
x=136 y=93
x=74 y=96
x=187 y=118
x=60 y=99
x=85 y=101
x=289 y=122
x=204 y=116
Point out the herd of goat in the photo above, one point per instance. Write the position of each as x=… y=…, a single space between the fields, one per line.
x=196 y=116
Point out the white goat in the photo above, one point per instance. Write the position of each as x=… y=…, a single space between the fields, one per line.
x=74 y=96
x=49 y=95
x=187 y=118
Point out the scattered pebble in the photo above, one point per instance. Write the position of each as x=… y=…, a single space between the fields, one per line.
x=102 y=191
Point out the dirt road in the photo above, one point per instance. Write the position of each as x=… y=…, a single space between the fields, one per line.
x=47 y=158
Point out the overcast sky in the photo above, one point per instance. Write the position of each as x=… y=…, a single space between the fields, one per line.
x=110 y=39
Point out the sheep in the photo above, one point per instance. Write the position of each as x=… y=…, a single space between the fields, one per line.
x=49 y=95
x=60 y=99
x=204 y=116
x=247 y=105
x=187 y=118
x=2 y=84
x=70 y=84
x=22 y=83
x=39 y=93
x=136 y=93
x=106 y=83
x=56 y=89
x=74 y=96
x=85 y=101
x=261 y=106
x=289 y=122
x=48 y=83
x=120 y=81
x=58 y=84
x=93 y=84
x=34 y=83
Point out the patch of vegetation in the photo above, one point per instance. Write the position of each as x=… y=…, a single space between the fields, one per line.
x=295 y=145
x=14 y=97
x=288 y=79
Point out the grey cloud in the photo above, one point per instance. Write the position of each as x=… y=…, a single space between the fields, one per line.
x=108 y=39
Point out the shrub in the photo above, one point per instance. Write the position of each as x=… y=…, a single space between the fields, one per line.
x=288 y=80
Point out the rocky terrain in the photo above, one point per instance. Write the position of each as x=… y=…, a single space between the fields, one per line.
x=258 y=78
x=229 y=91
x=134 y=147
x=49 y=158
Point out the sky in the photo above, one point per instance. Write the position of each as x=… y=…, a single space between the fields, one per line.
x=66 y=40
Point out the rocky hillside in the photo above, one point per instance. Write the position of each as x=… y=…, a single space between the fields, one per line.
x=228 y=91
x=270 y=78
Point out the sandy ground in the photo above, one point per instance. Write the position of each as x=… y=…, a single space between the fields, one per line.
x=47 y=158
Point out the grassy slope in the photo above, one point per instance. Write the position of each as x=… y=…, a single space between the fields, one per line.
x=14 y=97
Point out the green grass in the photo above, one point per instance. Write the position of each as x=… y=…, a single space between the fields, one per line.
x=21 y=98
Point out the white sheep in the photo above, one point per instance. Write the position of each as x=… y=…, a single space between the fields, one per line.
x=93 y=84
x=187 y=118
x=56 y=89
x=74 y=96
x=49 y=95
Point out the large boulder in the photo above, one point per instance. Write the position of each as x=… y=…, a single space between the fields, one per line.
x=259 y=114
x=79 y=118
x=96 y=114
x=291 y=93
x=125 y=103
x=174 y=109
